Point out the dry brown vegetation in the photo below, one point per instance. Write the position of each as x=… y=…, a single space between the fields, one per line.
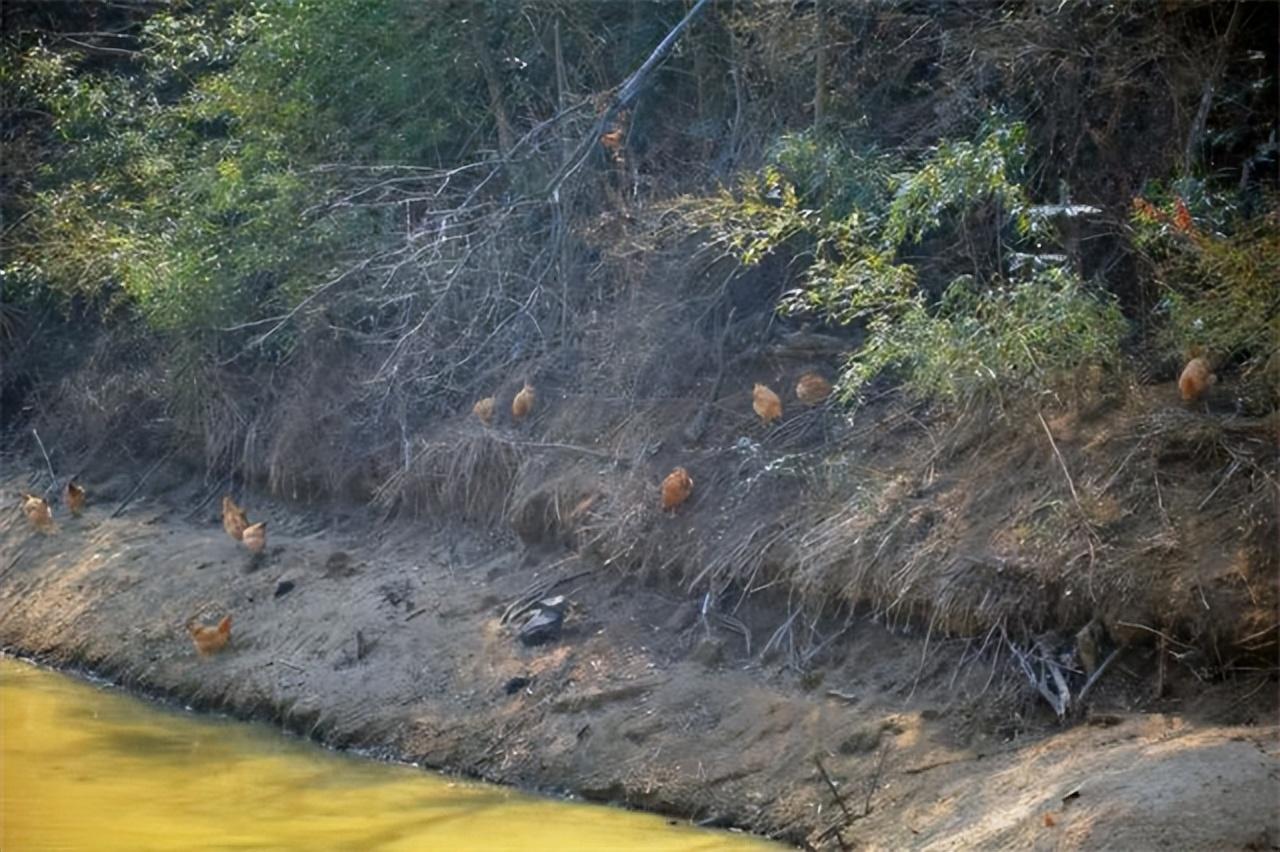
x=1100 y=502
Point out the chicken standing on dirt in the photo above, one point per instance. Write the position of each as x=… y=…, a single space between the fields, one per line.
x=210 y=640
x=766 y=403
x=484 y=410
x=37 y=511
x=523 y=403
x=234 y=520
x=676 y=488
x=255 y=537
x=812 y=389
x=1197 y=377
x=75 y=497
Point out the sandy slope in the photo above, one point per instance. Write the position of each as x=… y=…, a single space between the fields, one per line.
x=642 y=701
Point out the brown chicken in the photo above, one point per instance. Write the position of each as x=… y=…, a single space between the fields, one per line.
x=612 y=142
x=523 y=403
x=766 y=403
x=812 y=389
x=210 y=640
x=255 y=537
x=484 y=410
x=1197 y=377
x=234 y=520
x=612 y=139
x=74 y=495
x=37 y=511
x=676 y=488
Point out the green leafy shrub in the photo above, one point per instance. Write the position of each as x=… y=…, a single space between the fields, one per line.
x=1003 y=342
x=845 y=217
x=1218 y=273
x=195 y=184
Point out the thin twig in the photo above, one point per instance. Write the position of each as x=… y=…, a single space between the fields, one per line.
x=1062 y=462
x=1093 y=678
x=1235 y=465
x=1164 y=636
x=141 y=481
x=52 y=479
x=835 y=791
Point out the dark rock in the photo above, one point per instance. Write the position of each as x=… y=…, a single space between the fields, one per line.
x=283 y=588
x=543 y=626
x=516 y=684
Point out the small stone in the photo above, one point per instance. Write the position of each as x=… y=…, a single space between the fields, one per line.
x=283 y=588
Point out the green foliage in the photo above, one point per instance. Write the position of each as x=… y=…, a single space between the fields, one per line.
x=1014 y=339
x=192 y=185
x=959 y=175
x=1218 y=271
x=846 y=215
x=831 y=177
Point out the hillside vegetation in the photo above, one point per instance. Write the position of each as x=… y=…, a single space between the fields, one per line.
x=294 y=242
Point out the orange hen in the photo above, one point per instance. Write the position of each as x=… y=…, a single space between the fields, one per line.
x=812 y=389
x=255 y=537
x=234 y=520
x=612 y=140
x=1197 y=377
x=676 y=488
x=37 y=511
x=523 y=403
x=484 y=410
x=766 y=403
x=210 y=640
x=75 y=497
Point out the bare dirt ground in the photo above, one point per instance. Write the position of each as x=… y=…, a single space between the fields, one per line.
x=391 y=639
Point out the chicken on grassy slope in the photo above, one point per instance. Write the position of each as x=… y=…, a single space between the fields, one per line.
x=766 y=403
x=255 y=537
x=37 y=511
x=812 y=389
x=676 y=488
x=234 y=520
x=1197 y=377
x=523 y=403
x=484 y=410
x=75 y=497
x=210 y=640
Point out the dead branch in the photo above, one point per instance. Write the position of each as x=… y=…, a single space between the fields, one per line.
x=627 y=94
x=835 y=791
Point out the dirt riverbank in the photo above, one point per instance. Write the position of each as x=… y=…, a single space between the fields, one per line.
x=390 y=637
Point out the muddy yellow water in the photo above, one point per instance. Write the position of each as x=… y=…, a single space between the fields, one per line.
x=85 y=767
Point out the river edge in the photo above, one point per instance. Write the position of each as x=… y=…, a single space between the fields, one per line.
x=390 y=642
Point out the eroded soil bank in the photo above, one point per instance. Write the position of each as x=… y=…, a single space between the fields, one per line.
x=390 y=637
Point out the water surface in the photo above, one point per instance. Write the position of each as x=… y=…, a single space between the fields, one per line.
x=89 y=767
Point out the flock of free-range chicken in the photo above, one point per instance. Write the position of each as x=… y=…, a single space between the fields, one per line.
x=676 y=488
x=812 y=389
x=207 y=640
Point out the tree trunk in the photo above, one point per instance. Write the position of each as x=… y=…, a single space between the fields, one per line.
x=506 y=138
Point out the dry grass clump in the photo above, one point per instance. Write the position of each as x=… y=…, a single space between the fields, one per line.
x=110 y=402
x=469 y=476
